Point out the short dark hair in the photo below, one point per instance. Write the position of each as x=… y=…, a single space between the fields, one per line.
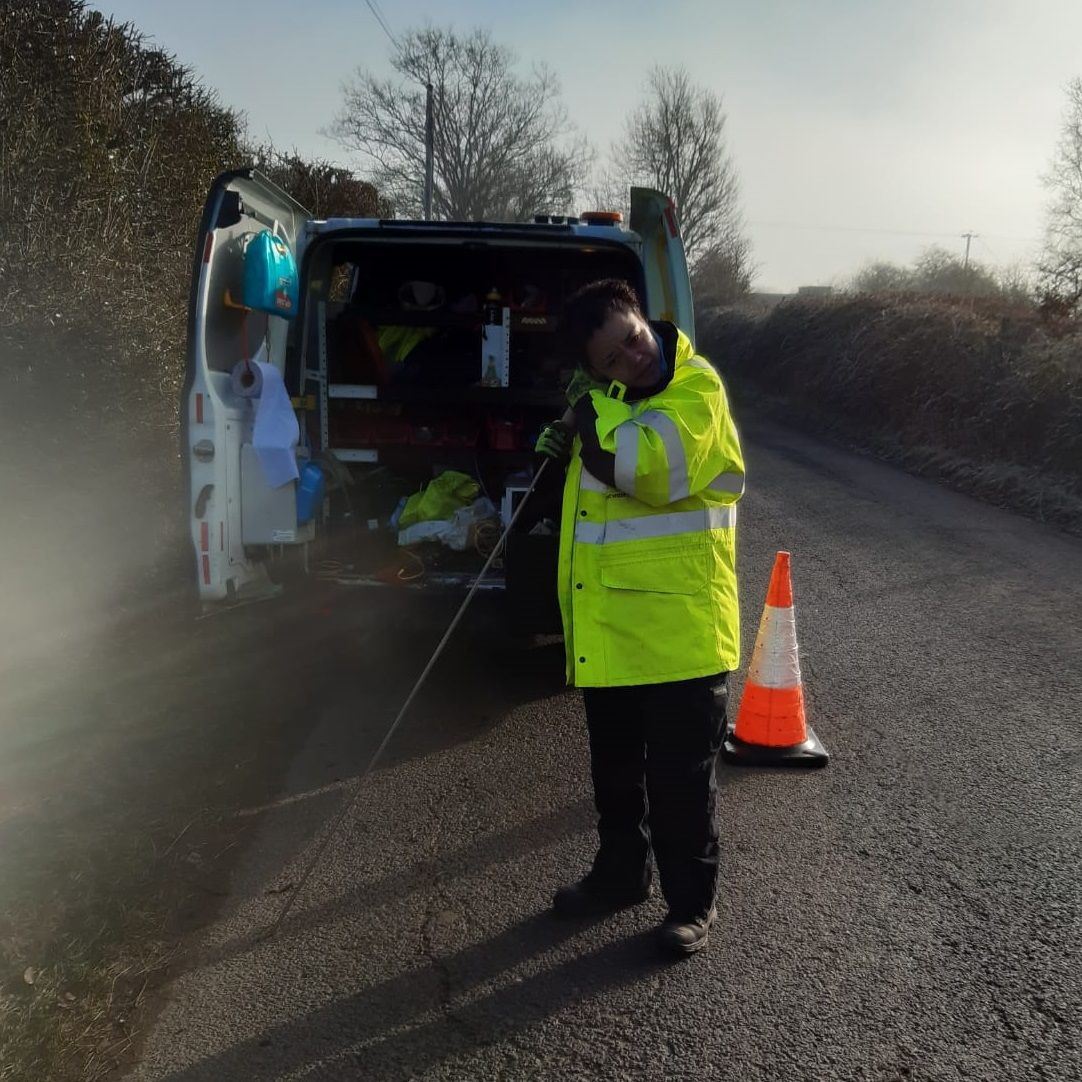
x=588 y=308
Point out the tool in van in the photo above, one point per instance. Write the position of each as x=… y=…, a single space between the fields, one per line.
x=294 y=891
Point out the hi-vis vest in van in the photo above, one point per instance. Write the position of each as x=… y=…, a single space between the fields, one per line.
x=647 y=576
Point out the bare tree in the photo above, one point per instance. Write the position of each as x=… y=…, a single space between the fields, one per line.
x=675 y=141
x=503 y=147
x=1060 y=266
x=608 y=188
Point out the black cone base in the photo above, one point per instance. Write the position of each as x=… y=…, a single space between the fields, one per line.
x=810 y=753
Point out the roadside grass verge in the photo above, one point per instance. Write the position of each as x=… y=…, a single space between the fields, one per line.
x=119 y=826
x=130 y=734
x=90 y=954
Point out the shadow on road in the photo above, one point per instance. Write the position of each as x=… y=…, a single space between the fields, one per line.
x=382 y=1032
x=539 y=833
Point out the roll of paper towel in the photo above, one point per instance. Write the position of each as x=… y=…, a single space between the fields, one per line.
x=276 y=432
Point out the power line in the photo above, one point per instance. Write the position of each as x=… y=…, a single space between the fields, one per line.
x=380 y=12
x=985 y=244
x=995 y=257
x=378 y=15
x=887 y=232
x=373 y=7
x=847 y=229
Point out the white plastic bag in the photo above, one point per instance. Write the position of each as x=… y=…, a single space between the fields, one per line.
x=457 y=532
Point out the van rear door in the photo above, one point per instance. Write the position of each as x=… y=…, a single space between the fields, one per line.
x=215 y=422
x=668 y=287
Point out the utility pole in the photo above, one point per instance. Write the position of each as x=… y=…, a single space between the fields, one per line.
x=430 y=133
x=968 y=238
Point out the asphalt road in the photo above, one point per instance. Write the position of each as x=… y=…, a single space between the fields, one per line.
x=912 y=912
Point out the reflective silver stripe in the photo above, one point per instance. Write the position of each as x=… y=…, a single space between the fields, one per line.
x=666 y=428
x=728 y=482
x=652 y=526
x=696 y=363
x=589 y=483
x=590 y=533
x=627 y=454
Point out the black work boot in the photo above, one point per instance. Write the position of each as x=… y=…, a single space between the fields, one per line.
x=686 y=936
x=590 y=897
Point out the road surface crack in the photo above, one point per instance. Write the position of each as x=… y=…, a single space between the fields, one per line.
x=439 y=917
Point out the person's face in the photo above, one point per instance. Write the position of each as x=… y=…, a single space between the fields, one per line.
x=624 y=348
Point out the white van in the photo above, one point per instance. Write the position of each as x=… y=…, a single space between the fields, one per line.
x=416 y=347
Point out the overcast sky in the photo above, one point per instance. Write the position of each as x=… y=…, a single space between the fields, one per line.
x=860 y=130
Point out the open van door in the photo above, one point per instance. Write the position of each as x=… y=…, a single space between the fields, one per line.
x=216 y=422
x=668 y=286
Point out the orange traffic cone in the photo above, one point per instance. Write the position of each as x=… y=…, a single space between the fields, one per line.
x=770 y=728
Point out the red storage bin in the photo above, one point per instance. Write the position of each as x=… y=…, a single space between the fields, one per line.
x=375 y=429
x=504 y=435
x=461 y=433
x=394 y=430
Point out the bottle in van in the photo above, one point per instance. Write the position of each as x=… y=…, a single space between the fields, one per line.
x=495 y=341
x=309 y=493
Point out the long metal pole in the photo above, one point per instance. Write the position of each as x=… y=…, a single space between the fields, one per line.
x=430 y=140
x=348 y=807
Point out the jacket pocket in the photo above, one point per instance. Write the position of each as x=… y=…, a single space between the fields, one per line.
x=683 y=573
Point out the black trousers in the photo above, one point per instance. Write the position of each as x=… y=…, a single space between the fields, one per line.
x=652 y=752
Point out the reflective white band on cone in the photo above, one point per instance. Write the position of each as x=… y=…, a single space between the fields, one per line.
x=775 y=662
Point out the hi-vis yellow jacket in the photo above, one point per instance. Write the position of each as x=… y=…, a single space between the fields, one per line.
x=647 y=576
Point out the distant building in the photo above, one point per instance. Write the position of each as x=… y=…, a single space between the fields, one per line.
x=815 y=291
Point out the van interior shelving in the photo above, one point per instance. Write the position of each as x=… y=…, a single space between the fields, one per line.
x=396 y=418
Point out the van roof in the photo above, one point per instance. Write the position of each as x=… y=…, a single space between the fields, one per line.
x=406 y=226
